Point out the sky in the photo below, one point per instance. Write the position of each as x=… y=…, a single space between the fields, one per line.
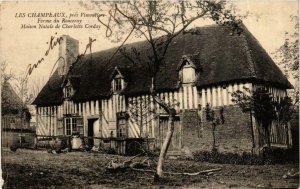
x=268 y=21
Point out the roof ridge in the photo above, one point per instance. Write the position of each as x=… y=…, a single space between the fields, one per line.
x=142 y=41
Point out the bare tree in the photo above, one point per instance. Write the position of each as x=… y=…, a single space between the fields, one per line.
x=6 y=77
x=5 y=74
x=150 y=20
x=139 y=110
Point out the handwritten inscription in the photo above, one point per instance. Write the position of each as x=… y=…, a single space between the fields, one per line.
x=52 y=43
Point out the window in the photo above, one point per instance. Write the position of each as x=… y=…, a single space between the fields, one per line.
x=73 y=124
x=68 y=126
x=68 y=91
x=117 y=84
x=122 y=118
x=122 y=128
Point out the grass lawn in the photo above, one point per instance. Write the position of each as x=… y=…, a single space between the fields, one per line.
x=39 y=169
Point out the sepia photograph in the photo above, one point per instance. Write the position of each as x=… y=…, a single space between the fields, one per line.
x=149 y=94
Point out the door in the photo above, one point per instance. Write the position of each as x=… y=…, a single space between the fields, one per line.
x=175 y=144
x=91 y=132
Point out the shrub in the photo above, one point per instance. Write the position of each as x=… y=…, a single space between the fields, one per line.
x=270 y=156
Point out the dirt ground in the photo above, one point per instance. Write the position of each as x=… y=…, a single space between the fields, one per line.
x=39 y=169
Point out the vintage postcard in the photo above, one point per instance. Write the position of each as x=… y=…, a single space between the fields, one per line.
x=149 y=94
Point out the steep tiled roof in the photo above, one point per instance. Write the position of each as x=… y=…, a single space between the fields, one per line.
x=223 y=58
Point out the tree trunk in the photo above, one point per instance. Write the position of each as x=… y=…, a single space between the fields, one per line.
x=165 y=146
x=164 y=149
x=267 y=131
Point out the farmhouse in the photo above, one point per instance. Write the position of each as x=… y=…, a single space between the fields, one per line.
x=106 y=98
x=15 y=119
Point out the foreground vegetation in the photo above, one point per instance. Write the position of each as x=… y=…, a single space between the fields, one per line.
x=39 y=169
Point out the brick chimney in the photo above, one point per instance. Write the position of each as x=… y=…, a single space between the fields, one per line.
x=68 y=52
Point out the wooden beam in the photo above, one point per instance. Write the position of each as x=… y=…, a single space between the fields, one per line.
x=214 y=96
x=224 y=96
x=203 y=98
x=185 y=97
x=110 y=107
x=176 y=100
x=230 y=93
x=209 y=101
x=219 y=91
x=124 y=103
x=195 y=95
x=190 y=99
x=180 y=98
x=97 y=109
x=92 y=107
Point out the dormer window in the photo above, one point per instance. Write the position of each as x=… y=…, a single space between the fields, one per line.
x=188 y=68
x=68 y=90
x=117 y=84
x=188 y=73
x=117 y=80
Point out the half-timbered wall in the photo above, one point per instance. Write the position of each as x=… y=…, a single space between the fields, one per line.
x=50 y=119
x=220 y=95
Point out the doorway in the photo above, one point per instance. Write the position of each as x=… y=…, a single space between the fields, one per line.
x=176 y=143
x=91 y=132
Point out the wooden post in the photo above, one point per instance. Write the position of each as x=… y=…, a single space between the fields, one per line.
x=220 y=102
x=180 y=98
x=166 y=97
x=92 y=107
x=185 y=97
x=171 y=101
x=230 y=91
x=56 y=117
x=97 y=110
x=124 y=103
x=214 y=97
x=209 y=96
x=75 y=108
x=79 y=108
x=88 y=109
x=110 y=109
x=195 y=95
x=203 y=98
x=235 y=87
x=190 y=98
x=113 y=105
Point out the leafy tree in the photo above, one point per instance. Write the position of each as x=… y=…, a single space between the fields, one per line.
x=284 y=112
x=264 y=111
x=150 y=20
x=261 y=105
x=215 y=121
x=287 y=56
